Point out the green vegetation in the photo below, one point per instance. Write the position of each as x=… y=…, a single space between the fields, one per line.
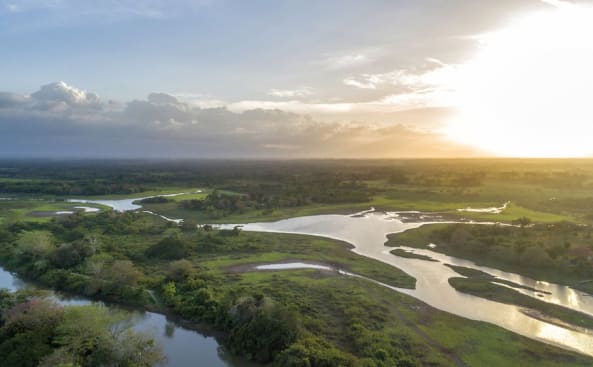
x=299 y=317
x=283 y=318
x=560 y=252
x=33 y=210
x=36 y=332
x=542 y=190
x=477 y=274
x=484 y=285
x=411 y=255
x=487 y=289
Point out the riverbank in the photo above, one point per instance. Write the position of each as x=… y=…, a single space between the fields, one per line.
x=482 y=287
x=558 y=253
x=368 y=234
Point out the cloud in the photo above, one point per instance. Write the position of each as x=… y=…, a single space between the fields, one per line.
x=345 y=61
x=12 y=7
x=433 y=73
x=365 y=82
x=10 y=100
x=430 y=85
x=164 y=126
x=294 y=106
x=291 y=93
x=59 y=95
x=559 y=3
x=162 y=98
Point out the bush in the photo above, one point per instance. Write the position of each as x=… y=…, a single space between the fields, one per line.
x=169 y=248
x=261 y=329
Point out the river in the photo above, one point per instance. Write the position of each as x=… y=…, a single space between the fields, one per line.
x=182 y=347
x=368 y=231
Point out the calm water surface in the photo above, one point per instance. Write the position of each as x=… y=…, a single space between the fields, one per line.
x=182 y=347
x=124 y=205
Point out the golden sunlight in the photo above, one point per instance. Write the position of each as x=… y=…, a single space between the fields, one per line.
x=529 y=90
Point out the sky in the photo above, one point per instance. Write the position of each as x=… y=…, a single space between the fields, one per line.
x=295 y=79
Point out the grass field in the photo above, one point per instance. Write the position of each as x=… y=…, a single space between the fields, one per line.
x=332 y=305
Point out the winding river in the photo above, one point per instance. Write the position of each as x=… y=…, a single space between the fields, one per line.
x=367 y=232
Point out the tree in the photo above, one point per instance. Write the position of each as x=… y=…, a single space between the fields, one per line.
x=169 y=292
x=69 y=255
x=28 y=331
x=311 y=351
x=189 y=225
x=179 y=270
x=7 y=300
x=169 y=248
x=123 y=273
x=536 y=256
x=261 y=328
x=96 y=336
x=236 y=230
x=35 y=244
x=522 y=222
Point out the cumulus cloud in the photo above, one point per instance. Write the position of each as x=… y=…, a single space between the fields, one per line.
x=60 y=96
x=164 y=126
x=162 y=98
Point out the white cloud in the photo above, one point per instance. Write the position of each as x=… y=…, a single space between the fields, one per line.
x=432 y=85
x=60 y=92
x=200 y=100
x=362 y=83
x=427 y=98
x=291 y=93
x=336 y=62
x=435 y=75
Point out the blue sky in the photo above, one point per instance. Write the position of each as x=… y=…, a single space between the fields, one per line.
x=227 y=49
x=348 y=64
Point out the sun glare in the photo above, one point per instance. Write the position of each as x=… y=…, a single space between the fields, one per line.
x=529 y=90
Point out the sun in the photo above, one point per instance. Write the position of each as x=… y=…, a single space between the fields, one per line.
x=528 y=92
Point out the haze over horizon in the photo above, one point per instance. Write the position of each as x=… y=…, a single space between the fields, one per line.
x=332 y=79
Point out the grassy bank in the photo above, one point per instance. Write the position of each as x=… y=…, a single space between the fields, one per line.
x=559 y=253
x=174 y=210
x=411 y=255
x=484 y=288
